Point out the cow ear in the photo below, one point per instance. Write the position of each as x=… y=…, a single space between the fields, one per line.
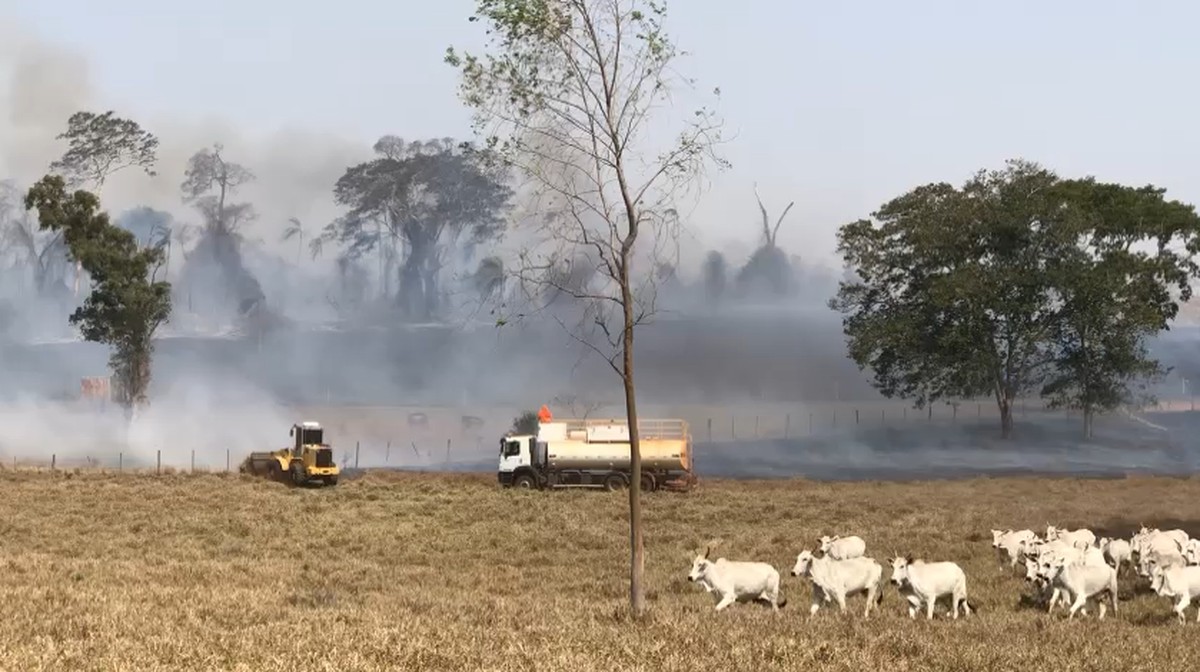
x=908 y=559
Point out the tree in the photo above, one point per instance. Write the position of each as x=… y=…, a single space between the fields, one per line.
x=99 y=145
x=426 y=194
x=44 y=254
x=768 y=267
x=714 y=274
x=102 y=144
x=210 y=181
x=1018 y=282
x=952 y=297
x=126 y=305
x=1113 y=296
x=566 y=95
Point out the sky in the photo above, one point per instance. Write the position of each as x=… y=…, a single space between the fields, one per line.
x=837 y=106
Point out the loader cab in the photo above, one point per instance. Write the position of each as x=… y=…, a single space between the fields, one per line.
x=308 y=433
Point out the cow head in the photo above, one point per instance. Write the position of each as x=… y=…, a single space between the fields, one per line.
x=1051 y=533
x=700 y=565
x=1156 y=579
x=996 y=536
x=900 y=569
x=803 y=563
x=827 y=542
x=1050 y=567
x=1031 y=571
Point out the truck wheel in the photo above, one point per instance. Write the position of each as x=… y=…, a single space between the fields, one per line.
x=614 y=482
x=648 y=483
x=524 y=482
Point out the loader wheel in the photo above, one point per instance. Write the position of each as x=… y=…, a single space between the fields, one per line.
x=298 y=476
x=524 y=482
x=331 y=480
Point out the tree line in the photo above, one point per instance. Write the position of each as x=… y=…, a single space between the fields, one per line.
x=1017 y=281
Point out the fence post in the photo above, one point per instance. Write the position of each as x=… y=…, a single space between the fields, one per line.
x=226 y=460
x=856 y=416
x=356 y=454
x=120 y=462
x=756 y=426
x=733 y=427
x=883 y=416
x=158 y=462
x=447 y=451
x=930 y=412
x=787 y=425
x=53 y=461
x=193 y=460
x=387 y=456
x=906 y=412
x=710 y=430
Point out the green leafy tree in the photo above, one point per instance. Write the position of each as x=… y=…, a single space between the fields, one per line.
x=951 y=297
x=568 y=94
x=1113 y=295
x=126 y=305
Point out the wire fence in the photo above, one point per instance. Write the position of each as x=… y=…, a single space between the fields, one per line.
x=433 y=441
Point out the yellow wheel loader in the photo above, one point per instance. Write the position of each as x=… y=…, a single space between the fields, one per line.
x=308 y=460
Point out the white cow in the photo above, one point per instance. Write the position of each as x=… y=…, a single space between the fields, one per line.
x=1167 y=557
x=736 y=580
x=837 y=579
x=843 y=548
x=924 y=582
x=1010 y=543
x=1059 y=550
x=1070 y=536
x=1180 y=582
x=1081 y=582
x=1117 y=552
x=1147 y=540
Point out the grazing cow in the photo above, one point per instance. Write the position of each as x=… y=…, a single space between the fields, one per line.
x=735 y=580
x=1180 y=582
x=1081 y=582
x=924 y=582
x=839 y=578
x=843 y=548
x=1117 y=552
x=1070 y=536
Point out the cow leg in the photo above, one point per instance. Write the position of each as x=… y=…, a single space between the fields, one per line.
x=1080 y=600
x=841 y=600
x=929 y=602
x=727 y=600
x=1182 y=605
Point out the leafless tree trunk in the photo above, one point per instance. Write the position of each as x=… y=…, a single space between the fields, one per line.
x=567 y=96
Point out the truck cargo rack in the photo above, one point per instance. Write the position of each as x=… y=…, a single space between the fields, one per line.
x=648 y=428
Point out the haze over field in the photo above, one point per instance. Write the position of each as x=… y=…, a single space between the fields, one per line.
x=297 y=97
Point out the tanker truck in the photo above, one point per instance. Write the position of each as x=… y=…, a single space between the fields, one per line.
x=593 y=453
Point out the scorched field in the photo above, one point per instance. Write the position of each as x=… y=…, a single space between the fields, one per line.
x=431 y=572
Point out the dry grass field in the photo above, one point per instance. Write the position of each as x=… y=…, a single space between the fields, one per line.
x=432 y=572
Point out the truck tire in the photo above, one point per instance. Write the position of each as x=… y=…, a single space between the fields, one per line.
x=524 y=482
x=615 y=481
x=649 y=483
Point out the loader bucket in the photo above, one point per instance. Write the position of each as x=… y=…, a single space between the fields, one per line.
x=261 y=464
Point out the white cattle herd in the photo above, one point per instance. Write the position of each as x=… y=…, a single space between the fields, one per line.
x=1068 y=567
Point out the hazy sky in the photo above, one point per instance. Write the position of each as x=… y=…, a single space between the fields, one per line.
x=838 y=106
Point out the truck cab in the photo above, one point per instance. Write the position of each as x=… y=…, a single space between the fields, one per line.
x=517 y=468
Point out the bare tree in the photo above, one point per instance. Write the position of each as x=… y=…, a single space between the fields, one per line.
x=568 y=96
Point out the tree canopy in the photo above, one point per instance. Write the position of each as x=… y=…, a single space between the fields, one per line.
x=102 y=144
x=126 y=305
x=1017 y=282
x=430 y=195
